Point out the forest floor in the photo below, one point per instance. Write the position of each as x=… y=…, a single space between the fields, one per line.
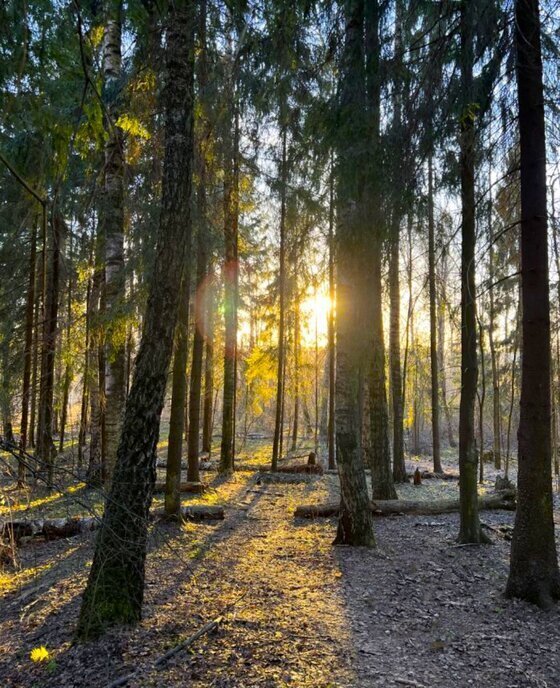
x=419 y=611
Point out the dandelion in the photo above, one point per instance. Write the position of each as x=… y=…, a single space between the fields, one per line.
x=40 y=654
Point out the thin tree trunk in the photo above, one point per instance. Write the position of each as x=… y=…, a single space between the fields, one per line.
x=481 y=393
x=28 y=351
x=45 y=445
x=178 y=398
x=208 y=368
x=399 y=466
x=95 y=464
x=438 y=468
x=115 y=587
x=195 y=389
x=231 y=222
x=470 y=530
x=111 y=220
x=512 y=393
x=296 y=367
x=441 y=350
x=331 y=326
x=380 y=455
x=496 y=410
x=534 y=574
x=277 y=441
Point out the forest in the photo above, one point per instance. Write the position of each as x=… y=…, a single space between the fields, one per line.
x=279 y=343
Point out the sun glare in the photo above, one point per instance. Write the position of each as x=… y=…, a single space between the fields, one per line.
x=315 y=313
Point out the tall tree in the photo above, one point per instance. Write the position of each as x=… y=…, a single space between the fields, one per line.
x=115 y=587
x=355 y=526
x=534 y=574
x=111 y=221
x=380 y=457
x=470 y=530
x=436 y=451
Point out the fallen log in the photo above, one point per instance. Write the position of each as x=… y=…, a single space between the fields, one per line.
x=266 y=478
x=500 y=500
x=50 y=529
x=309 y=469
x=190 y=487
x=196 y=512
x=20 y=532
x=428 y=475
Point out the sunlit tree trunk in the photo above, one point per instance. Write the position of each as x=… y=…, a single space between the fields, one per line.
x=278 y=425
x=208 y=368
x=534 y=574
x=111 y=223
x=115 y=587
x=331 y=438
x=231 y=224
x=296 y=367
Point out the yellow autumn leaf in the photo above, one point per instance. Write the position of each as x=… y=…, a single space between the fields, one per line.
x=96 y=35
x=132 y=126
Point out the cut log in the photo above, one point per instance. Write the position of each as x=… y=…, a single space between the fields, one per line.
x=500 y=500
x=191 y=488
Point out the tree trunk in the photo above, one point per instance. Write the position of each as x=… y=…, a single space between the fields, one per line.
x=95 y=464
x=209 y=367
x=28 y=351
x=68 y=372
x=438 y=468
x=193 y=443
x=399 y=466
x=178 y=398
x=380 y=456
x=111 y=223
x=115 y=587
x=534 y=574
x=355 y=525
x=441 y=350
x=278 y=426
x=231 y=222
x=331 y=326
x=481 y=393
x=295 y=427
x=496 y=410
x=45 y=445
x=470 y=531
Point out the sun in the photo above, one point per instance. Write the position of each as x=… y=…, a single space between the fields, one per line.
x=315 y=310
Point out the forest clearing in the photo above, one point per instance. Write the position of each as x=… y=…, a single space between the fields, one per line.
x=279 y=343
x=294 y=610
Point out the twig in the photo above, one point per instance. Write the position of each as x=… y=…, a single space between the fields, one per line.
x=204 y=630
x=207 y=628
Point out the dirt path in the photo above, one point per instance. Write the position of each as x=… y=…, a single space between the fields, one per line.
x=418 y=612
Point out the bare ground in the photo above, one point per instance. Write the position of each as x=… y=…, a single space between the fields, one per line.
x=418 y=611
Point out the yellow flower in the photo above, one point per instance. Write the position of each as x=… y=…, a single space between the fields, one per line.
x=40 y=654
